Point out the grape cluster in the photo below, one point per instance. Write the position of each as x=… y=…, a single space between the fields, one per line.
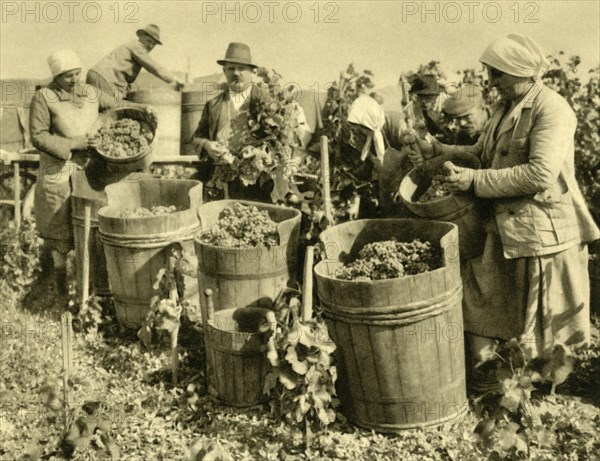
x=391 y=259
x=157 y=210
x=436 y=190
x=242 y=226
x=124 y=138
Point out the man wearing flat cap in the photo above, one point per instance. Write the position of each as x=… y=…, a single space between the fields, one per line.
x=115 y=73
x=224 y=124
x=465 y=115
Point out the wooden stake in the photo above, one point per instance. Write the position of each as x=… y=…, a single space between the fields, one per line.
x=17 y=194
x=174 y=336
x=66 y=320
x=87 y=226
x=325 y=178
x=307 y=287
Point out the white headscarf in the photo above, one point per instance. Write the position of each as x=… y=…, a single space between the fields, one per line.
x=63 y=61
x=517 y=55
x=367 y=112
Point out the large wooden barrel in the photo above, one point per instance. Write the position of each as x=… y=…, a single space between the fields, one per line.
x=167 y=105
x=464 y=210
x=192 y=103
x=15 y=105
x=14 y=126
x=236 y=362
x=245 y=277
x=84 y=195
x=137 y=248
x=400 y=346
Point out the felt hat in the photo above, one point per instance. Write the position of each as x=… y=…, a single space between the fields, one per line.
x=237 y=53
x=63 y=61
x=152 y=31
x=426 y=85
x=463 y=100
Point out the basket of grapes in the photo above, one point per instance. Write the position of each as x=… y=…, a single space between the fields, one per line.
x=425 y=193
x=127 y=137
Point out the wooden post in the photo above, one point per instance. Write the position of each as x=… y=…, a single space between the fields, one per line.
x=17 y=194
x=325 y=178
x=174 y=337
x=307 y=286
x=210 y=312
x=87 y=227
x=66 y=320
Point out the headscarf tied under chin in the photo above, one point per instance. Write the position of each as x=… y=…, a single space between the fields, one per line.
x=367 y=112
x=517 y=55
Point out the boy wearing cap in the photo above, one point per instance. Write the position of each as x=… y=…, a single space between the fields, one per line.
x=427 y=98
x=115 y=73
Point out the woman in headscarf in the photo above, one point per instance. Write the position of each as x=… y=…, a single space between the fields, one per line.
x=532 y=281
x=61 y=119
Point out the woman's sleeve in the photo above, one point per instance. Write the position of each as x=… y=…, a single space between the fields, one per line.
x=40 y=122
x=550 y=141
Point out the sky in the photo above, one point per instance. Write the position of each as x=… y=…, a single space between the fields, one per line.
x=307 y=42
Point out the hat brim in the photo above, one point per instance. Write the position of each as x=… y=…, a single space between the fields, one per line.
x=222 y=62
x=142 y=31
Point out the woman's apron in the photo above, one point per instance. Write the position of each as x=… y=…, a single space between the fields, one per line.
x=52 y=203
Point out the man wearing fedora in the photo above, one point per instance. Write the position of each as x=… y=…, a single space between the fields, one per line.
x=224 y=121
x=116 y=71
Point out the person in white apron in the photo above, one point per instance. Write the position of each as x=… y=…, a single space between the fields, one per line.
x=61 y=119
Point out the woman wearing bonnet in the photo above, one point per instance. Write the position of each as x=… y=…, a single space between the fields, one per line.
x=61 y=118
x=531 y=283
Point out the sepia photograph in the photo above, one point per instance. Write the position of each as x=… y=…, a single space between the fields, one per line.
x=300 y=230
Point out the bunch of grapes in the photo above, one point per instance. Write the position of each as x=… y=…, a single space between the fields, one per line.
x=255 y=160
x=124 y=138
x=242 y=226
x=391 y=259
x=437 y=189
x=157 y=210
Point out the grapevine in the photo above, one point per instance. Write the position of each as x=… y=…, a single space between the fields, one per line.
x=391 y=259
x=241 y=227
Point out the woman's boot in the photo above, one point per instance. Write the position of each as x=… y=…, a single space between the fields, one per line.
x=60 y=273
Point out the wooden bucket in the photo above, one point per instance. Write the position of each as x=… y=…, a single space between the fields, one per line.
x=246 y=277
x=464 y=210
x=136 y=247
x=236 y=362
x=84 y=195
x=192 y=103
x=167 y=105
x=400 y=345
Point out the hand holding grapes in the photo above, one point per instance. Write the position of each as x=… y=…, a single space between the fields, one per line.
x=85 y=142
x=459 y=179
x=218 y=151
